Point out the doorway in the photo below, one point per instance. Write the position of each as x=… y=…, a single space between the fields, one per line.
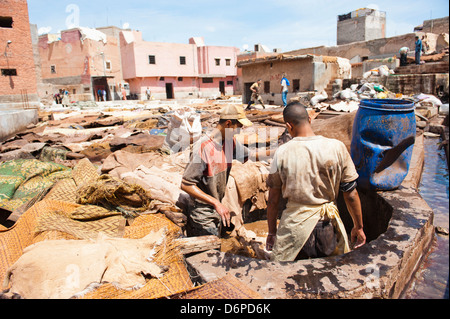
x=247 y=92
x=169 y=90
x=222 y=87
x=100 y=83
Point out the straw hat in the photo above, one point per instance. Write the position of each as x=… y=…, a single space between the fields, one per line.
x=235 y=112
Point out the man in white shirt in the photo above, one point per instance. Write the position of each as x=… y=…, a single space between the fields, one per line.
x=309 y=171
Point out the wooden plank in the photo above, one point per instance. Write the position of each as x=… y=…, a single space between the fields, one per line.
x=196 y=244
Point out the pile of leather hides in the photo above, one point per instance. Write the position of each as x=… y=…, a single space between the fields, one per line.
x=61 y=269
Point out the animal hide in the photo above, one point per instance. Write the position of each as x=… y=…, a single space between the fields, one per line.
x=61 y=269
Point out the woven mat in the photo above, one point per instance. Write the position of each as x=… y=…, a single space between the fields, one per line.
x=175 y=279
x=14 y=240
x=227 y=287
x=84 y=172
x=79 y=221
x=112 y=225
x=61 y=202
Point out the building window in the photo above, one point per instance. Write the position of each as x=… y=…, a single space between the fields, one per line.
x=229 y=82
x=180 y=79
x=151 y=59
x=182 y=60
x=207 y=80
x=161 y=78
x=53 y=69
x=6 y=22
x=266 y=86
x=227 y=62
x=108 y=65
x=217 y=62
x=9 y=72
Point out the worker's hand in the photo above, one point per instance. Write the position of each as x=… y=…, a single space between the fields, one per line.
x=270 y=241
x=358 y=237
x=224 y=213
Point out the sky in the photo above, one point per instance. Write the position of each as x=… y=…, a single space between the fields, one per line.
x=284 y=24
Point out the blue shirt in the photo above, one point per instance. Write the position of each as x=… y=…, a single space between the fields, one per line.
x=418 y=45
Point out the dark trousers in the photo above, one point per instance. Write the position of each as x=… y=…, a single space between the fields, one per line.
x=403 y=60
x=418 y=53
x=321 y=243
x=203 y=220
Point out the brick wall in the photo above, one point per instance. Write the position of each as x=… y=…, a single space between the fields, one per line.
x=18 y=55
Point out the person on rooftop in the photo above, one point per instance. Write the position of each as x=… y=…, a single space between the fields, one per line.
x=418 y=49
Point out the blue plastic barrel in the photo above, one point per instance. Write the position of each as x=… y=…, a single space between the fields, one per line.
x=383 y=138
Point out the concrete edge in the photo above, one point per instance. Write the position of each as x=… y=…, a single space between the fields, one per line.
x=14 y=121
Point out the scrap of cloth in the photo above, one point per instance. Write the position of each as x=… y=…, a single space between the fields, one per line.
x=61 y=269
x=21 y=180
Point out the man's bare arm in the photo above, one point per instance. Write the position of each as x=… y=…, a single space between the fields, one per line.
x=353 y=203
x=272 y=214
x=197 y=193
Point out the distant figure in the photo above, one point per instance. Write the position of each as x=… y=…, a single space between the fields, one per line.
x=149 y=93
x=65 y=100
x=284 y=89
x=418 y=49
x=57 y=98
x=124 y=93
x=99 y=95
x=403 y=55
x=255 y=88
x=104 y=94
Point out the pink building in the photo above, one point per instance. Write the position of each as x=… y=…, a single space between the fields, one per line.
x=81 y=61
x=173 y=70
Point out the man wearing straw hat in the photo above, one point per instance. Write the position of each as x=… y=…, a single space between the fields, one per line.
x=206 y=175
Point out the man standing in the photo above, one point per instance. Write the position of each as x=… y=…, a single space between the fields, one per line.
x=206 y=175
x=284 y=89
x=255 y=88
x=418 y=49
x=308 y=171
x=149 y=93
